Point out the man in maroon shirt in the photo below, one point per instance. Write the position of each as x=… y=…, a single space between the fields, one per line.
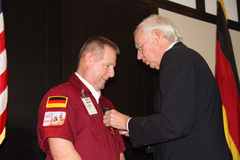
x=70 y=124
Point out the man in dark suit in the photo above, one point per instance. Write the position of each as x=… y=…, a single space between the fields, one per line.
x=187 y=124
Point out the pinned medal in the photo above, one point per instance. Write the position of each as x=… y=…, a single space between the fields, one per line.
x=104 y=109
x=113 y=132
x=83 y=94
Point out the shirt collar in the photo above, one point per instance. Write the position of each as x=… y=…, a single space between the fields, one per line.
x=172 y=45
x=96 y=94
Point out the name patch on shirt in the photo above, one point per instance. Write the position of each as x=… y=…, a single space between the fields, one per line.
x=54 y=118
x=57 y=101
x=89 y=106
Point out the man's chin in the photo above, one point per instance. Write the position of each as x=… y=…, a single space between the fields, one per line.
x=102 y=87
x=153 y=66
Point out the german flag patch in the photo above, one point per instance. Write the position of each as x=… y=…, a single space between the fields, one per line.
x=57 y=102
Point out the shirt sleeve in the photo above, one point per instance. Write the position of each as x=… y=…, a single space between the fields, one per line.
x=56 y=119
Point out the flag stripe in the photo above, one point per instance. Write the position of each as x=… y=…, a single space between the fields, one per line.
x=3 y=79
x=2 y=40
x=3 y=101
x=3 y=61
x=230 y=98
x=229 y=139
x=2 y=135
x=1 y=19
x=57 y=98
x=3 y=120
x=57 y=101
x=228 y=82
x=224 y=39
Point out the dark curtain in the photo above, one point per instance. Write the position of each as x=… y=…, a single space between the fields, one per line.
x=132 y=88
x=43 y=39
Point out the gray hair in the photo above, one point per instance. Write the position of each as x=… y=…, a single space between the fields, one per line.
x=164 y=25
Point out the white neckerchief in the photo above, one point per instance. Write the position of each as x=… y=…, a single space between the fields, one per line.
x=96 y=94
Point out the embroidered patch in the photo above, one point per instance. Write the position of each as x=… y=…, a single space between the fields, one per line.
x=57 y=101
x=54 y=118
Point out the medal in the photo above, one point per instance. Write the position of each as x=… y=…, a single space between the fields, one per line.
x=113 y=132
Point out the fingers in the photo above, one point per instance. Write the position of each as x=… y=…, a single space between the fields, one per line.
x=106 y=118
x=107 y=123
x=109 y=111
x=110 y=118
x=123 y=132
x=115 y=119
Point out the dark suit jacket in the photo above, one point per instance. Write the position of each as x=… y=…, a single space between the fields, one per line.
x=187 y=124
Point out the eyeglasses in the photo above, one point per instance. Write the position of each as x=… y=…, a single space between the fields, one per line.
x=139 y=46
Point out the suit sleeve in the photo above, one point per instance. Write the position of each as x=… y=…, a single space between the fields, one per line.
x=175 y=104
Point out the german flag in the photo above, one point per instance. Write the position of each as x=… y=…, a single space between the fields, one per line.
x=228 y=82
x=57 y=101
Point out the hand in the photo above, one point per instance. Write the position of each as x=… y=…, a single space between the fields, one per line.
x=115 y=119
x=123 y=132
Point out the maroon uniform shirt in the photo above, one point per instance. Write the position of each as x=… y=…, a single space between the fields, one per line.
x=62 y=114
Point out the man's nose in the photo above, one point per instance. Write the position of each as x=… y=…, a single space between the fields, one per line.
x=111 y=72
x=139 y=55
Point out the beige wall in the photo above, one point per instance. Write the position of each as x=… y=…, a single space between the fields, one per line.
x=201 y=36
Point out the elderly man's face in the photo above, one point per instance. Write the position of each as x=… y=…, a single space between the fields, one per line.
x=148 y=50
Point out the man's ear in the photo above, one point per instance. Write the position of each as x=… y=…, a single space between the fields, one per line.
x=88 y=59
x=157 y=35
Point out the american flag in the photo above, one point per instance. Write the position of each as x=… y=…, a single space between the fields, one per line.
x=3 y=79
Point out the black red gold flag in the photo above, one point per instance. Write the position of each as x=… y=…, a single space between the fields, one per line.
x=228 y=82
